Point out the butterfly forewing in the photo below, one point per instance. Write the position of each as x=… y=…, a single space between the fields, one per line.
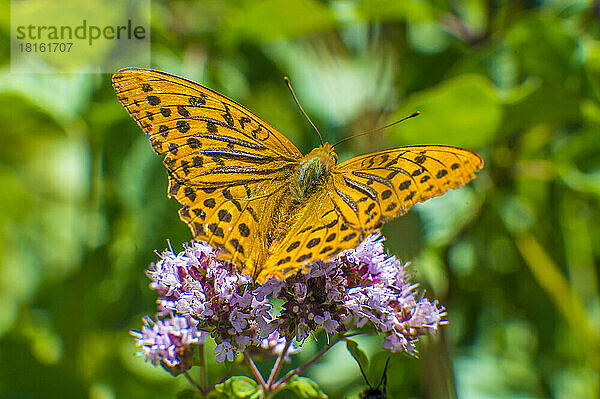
x=373 y=188
x=155 y=98
x=223 y=162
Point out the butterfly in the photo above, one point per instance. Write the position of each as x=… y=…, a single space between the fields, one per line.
x=249 y=192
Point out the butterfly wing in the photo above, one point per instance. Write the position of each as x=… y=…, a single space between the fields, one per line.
x=224 y=163
x=372 y=189
x=317 y=233
x=360 y=196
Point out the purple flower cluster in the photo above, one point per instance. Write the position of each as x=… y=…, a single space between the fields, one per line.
x=200 y=294
x=169 y=342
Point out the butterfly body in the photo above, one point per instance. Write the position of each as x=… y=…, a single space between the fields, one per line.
x=314 y=168
x=249 y=192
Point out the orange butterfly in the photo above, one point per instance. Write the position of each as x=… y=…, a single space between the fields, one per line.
x=248 y=191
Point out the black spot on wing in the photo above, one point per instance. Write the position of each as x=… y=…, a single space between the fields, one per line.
x=182 y=126
x=404 y=185
x=181 y=110
x=153 y=100
x=293 y=246
x=224 y=216
x=210 y=203
x=304 y=257
x=244 y=230
x=410 y=196
x=284 y=261
x=193 y=143
x=198 y=230
x=199 y=213
x=190 y=193
x=349 y=237
x=325 y=249
x=227 y=116
x=236 y=245
x=313 y=242
x=163 y=131
x=197 y=101
x=216 y=230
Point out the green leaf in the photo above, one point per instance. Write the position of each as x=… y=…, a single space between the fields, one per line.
x=358 y=354
x=463 y=111
x=238 y=386
x=392 y=10
x=427 y=37
x=263 y=21
x=543 y=48
x=305 y=388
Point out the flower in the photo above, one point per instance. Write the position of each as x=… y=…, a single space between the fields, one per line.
x=276 y=344
x=168 y=342
x=201 y=293
x=225 y=350
x=326 y=322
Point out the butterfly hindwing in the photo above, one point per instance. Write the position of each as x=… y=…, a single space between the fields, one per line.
x=374 y=188
x=229 y=218
x=319 y=234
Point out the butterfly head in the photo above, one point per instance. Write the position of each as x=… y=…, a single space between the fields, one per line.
x=327 y=156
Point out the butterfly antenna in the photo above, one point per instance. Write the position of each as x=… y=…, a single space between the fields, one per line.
x=378 y=129
x=383 y=382
x=362 y=371
x=289 y=85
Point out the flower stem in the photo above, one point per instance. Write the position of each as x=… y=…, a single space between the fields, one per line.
x=255 y=371
x=300 y=369
x=194 y=383
x=203 y=379
x=278 y=364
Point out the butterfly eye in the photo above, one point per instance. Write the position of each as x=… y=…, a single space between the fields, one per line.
x=334 y=156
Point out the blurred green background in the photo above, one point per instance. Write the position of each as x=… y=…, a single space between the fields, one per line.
x=511 y=256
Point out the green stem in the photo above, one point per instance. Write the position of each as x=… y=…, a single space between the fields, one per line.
x=256 y=372
x=194 y=383
x=203 y=379
x=278 y=364
x=300 y=369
